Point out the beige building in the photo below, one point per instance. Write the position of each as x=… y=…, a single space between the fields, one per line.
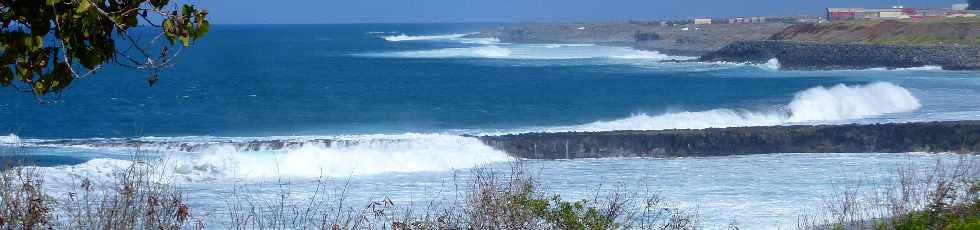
x=702 y=21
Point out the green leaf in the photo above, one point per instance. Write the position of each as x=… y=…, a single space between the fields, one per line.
x=83 y=6
x=39 y=88
x=51 y=2
x=202 y=29
x=25 y=72
x=6 y=76
x=159 y=3
x=168 y=30
x=187 y=11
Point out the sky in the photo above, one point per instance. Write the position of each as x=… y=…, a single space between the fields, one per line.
x=436 y=11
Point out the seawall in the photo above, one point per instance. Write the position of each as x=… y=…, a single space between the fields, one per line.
x=958 y=137
x=822 y=56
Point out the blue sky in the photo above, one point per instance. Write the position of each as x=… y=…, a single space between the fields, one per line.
x=387 y=11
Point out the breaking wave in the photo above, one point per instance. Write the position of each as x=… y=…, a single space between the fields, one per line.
x=362 y=155
x=819 y=104
x=772 y=64
x=470 y=52
x=9 y=139
x=462 y=38
x=843 y=102
x=533 y=52
x=204 y=158
x=492 y=48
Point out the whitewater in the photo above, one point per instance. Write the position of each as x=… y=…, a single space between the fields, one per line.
x=210 y=158
x=396 y=113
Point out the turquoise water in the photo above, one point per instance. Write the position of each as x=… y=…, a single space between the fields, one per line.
x=403 y=94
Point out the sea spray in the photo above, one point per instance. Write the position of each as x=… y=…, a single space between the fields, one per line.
x=461 y=38
x=844 y=102
x=818 y=104
x=370 y=155
x=530 y=52
x=772 y=64
x=492 y=48
x=404 y=37
x=9 y=139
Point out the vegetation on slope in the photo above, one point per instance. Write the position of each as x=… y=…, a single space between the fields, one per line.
x=948 y=31
x=491 y=200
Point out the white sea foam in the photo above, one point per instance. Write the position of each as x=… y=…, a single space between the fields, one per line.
x=819 y=104
x=9 y=139
x=494 y=49
x=843 y=102
x=404 y=37
x=532 y=52
x=461 y=38
x=367 y=155
x=772 y=64
x=377 y=154
x=470 y=52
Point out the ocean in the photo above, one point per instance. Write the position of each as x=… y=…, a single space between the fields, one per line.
x=408 y=96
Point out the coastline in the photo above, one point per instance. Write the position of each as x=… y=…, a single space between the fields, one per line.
x=821 y=56
x=669 y=39
x=796 y=46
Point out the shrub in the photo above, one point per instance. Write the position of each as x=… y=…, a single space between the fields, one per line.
x=23 y=204
x=934 y=197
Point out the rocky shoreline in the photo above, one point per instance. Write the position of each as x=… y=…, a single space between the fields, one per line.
x=819 y=56
x=953 y=136
x=755 y=43
x=671 y=39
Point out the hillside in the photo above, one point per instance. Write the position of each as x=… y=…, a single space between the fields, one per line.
x=956 y=31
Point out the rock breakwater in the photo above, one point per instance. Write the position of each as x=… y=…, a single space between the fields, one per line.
x=959 y=137
x=822 y=56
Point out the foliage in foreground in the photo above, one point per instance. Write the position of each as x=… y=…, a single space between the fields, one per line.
x=44 y=42
x=134 y=200
x=139 y=199
x=937 y=197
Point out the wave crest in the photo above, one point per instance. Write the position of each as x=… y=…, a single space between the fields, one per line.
x=818 y=104
x=532 y=52
x=844 y=102
x=365 y=155
x=9 y=139
x=462 y=38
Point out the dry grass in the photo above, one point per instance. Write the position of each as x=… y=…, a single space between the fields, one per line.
x=933 y=197
x=136 y=199
x=23 y=204
x=492 y=199
x=945 y=194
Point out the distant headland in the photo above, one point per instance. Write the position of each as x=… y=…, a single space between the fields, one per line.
x=845 y=38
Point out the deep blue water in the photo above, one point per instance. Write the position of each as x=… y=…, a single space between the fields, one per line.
x=308 y=80
x=402 y=93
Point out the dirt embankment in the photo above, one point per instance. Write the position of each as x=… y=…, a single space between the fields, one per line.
x=947 y=32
